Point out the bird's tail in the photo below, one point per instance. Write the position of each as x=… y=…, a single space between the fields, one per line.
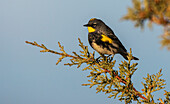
x=126 y=54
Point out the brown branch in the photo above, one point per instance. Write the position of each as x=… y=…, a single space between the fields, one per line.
x=124 y=82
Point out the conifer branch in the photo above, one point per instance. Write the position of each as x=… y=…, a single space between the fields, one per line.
x=153 y=11
x=103 y=75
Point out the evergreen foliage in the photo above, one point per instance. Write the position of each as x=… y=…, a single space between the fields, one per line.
x=107 y=79
x=153 y=11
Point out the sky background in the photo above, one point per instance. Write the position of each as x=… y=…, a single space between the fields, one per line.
x=30 y=77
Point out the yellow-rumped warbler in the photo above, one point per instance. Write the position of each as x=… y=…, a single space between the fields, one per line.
x=103 y=39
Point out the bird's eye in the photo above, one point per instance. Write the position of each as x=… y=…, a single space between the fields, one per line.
x=94 y=25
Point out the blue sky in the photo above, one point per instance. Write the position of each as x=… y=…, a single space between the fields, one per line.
x=30 y=77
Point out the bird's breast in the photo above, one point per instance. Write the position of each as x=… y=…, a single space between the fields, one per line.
x=101 y=49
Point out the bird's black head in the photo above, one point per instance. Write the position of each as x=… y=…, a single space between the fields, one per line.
x=94 y=25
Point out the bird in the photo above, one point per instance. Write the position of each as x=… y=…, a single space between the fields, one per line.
x=102 y=39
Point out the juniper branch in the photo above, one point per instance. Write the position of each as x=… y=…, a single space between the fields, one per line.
x=153 y=11
x=108 y=80
x=88 y=58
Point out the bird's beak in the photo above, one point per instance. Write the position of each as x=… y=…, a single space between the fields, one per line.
x=86 y=25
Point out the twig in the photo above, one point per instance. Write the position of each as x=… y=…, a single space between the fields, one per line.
x=124 y=82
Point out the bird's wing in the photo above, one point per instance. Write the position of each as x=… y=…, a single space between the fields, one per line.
x=111 y=35
x=117 y=41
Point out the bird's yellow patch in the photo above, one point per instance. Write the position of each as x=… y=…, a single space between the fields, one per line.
x=92 y=19
x=106 y=39
x=90 y=29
